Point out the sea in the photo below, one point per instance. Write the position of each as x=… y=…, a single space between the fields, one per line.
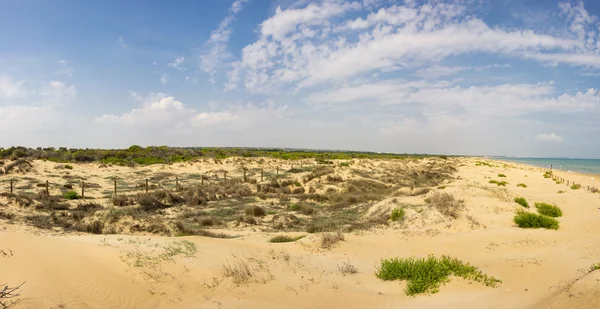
x=583 y=166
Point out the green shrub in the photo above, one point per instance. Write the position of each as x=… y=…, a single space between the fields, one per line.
x=529 y=220
x=284 y=238
x=499 y=183
x=397 y=214
x=425 y=275
x=501 y=175
x=345 y=164
x=71 y=195
x=548 y=210
x=255 y=211
x=69 y=167
x=576 y=186
x=547 y=175
x=522 y=201
x=522 y=185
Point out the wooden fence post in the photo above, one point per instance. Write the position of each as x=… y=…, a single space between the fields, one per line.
x=146 y=185
x=115 y=186
x=176 y=183
x=83 y=189
x=261 y=174
x=225 y=175
x=245 y=179
x=47 y=191
x=277 y=169
x=202 y=179
x=11 y=186
x=567 y=183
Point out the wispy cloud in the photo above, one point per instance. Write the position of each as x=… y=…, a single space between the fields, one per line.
x=215 y=51
x=65 y=68
x=164 y=78
x=10 y=89
x=122 y=42
x=177 y=63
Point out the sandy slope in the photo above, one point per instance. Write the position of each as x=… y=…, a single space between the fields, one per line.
x=539 y=268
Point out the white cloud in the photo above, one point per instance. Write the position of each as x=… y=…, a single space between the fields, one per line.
x=65 y=68
x=28 y=118
x=10 y=89
x=549 y=137
x=57 y=91
x=177 y=62
x=215 y=53
x=298 y=48
x=436 y=71
x=122 y=42
x=164 y=111
x=164 y=79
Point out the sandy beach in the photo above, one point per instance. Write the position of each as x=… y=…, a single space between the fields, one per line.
x=538 y=268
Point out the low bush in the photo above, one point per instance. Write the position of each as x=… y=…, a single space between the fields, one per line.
x=522 y=201
x=522 y=185
x=425 y=275
x=284 y=238
x=446 y=204
x=255 y=211
x=548 y=210
x=498 y=183
x=501 y=175
x=397 y=214
x=71 y=195
x=328 y=240
x=576 y=186
x=529 y=220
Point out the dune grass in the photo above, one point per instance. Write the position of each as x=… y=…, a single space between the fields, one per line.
x=529 y=220
x=498 y=183
x=547 y=175
x=501 y=175
x=522 y=201
x=576 y=186
x=397 y=214
x=522 y=185
x=425 y=275
x=548 y=210
x=284 y=238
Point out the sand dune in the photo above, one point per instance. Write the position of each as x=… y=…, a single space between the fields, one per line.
x=538 y=268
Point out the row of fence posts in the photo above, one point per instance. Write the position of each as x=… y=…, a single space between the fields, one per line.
x=47 y=190
x=561 y=179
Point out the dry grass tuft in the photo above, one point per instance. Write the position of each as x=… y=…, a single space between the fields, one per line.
x=240 y=272
x=329 y=240
x=347 y=269
x=446 y=204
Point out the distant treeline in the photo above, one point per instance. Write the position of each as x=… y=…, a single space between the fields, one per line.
x=163 y=154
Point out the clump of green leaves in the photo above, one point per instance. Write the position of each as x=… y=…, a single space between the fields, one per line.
x=69 y=167
x=529 y=220
x=547 y=174
x=576 y=186
x=548 y=210
x=522 y=201
x=501 y=175
x=498 y=183
x=522 y=185
x=425 y=275
x=71 y=195
x=397 y=214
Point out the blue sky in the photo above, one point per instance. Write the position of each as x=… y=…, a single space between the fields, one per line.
x=457 y=77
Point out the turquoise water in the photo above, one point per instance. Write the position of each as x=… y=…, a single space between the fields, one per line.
x=584 y=166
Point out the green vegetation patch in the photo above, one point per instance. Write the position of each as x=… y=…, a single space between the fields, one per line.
x=576 y=186
x=425 y=275
x=284 y=238
x=397 y=214
x=501 y=175
x=522 y=201
x=529 y=220
x=498 y=183
x=522 y=185
x=548 y=210
x=71 y=195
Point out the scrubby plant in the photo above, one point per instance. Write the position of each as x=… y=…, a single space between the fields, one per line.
x=69 y=167
x=529 y=220
x=347 y=269
x=501 y=175
x=425 y=275
x=560 y=192
x=576 y=186
x=522 y=201
x=547 y=174
x=284 y=238
x=71 y=195
x=498 y=183
x=328 y=240
x=446 y=204
x=397 y=214
x=522 y=185
x=548 y=210
x=255 y=211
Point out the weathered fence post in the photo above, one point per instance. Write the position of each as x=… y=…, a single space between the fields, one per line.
x=245 y=179
x=47 y=190
x=11 y=186
x=202 y=179
x=83 y=189
x=176 y=183
x=225 y=175
x=261 y=174
x=277 y=169
x=115 y=186
x=146 y=185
